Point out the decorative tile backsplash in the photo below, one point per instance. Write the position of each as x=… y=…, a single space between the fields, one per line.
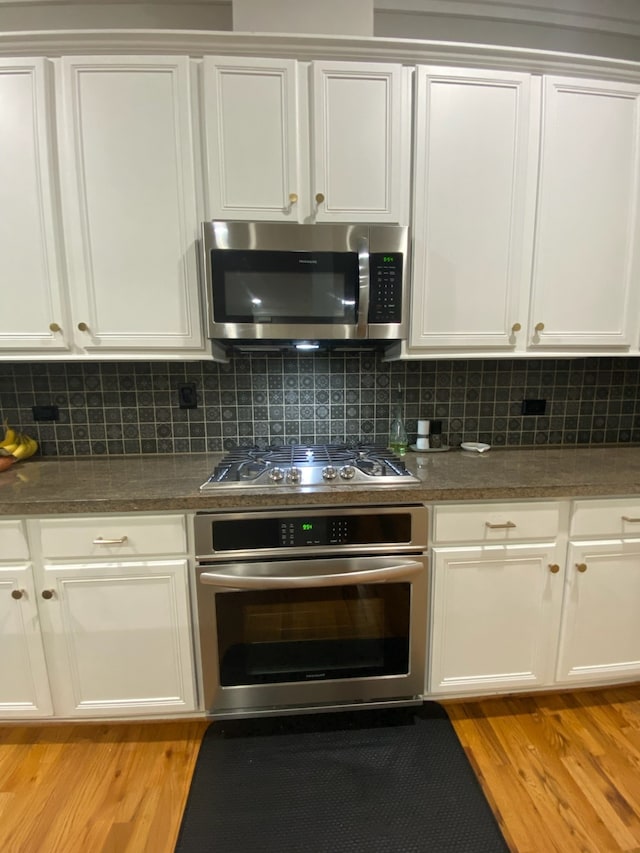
x=128 y=407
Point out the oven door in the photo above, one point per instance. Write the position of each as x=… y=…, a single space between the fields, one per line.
x=297 y=635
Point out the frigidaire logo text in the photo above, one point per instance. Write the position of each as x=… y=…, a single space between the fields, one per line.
x=311 y=261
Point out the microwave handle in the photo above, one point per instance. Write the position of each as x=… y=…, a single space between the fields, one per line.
x=390 y=573
x=364 y=272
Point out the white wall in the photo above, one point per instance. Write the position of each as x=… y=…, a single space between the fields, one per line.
x=592 y=27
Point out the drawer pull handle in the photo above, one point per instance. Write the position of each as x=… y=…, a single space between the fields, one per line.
x=581 y=567
x=633 y=520
x=506 y=526
x=100 y=541
x=554 y=568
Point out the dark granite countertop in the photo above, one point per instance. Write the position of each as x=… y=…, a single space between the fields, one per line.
x=44 y=486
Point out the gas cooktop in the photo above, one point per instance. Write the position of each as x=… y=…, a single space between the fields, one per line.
x=309 y=465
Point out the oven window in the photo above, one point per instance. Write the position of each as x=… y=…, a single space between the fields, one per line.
x=274 y=636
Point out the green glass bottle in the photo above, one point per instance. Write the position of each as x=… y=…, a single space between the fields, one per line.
x=397 y=432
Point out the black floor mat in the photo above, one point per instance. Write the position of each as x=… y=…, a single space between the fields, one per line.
x=393 y=781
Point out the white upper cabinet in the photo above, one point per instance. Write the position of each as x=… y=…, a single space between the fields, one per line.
x=585 y=270
x=526 y=231
x=129 y=203
x=474 y=195
x=29 y=259
x=251 y=126
x=299 y=142
x=360 y=142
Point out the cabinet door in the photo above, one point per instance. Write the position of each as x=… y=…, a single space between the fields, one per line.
x=118 y=638
x=24 y=685
x=474 y=201
x=361 y=137
x=251 y=139
x=29 y=261
x=496 y=611
x=129 y=202
x=586 y=253
x=600 y=634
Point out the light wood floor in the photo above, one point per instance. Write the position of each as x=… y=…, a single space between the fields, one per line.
x=561 y=771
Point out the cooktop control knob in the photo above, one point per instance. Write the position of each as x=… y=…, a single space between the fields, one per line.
x=329 y=473
x=293 y=475
x=276 y=474
x=347 y=472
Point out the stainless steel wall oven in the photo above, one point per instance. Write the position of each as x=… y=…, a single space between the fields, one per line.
x=311 y=610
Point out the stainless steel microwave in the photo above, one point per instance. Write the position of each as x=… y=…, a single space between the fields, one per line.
x=269 y=282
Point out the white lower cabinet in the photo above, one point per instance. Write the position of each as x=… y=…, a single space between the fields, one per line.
x=118 y=638
x=496 y=615
x=600 y=634
x=97 y=623
x=24 y=683
x=509 y=615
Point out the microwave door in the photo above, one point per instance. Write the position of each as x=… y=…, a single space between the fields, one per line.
x=281 y=294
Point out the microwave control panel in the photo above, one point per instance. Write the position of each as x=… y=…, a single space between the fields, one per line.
x=385 y=290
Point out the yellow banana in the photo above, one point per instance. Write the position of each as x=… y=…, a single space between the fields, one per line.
x=9 y=435
x=26 y=448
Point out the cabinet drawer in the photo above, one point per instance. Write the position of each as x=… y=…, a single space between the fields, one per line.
x=606 y=518
x=496 y=522
x=112 y=537
x=13 y=542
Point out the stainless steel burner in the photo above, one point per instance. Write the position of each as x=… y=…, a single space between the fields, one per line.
x=309 y=465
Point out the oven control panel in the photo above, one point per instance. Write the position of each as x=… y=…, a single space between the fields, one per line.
x=314 y=530
x=330 y=530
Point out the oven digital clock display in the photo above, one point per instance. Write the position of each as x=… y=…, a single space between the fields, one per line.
x=306 y=531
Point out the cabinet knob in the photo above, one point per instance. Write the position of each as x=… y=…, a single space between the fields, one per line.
x=581 y=567
x=47 y=594
x=54 y=327
x=516 y=327
x=554 y=568
x=539 y=327
x=83 y=327
x=319 y=198
x=293 y=198
x=17 y=594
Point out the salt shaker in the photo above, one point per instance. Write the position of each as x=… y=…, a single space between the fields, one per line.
x=422 y=441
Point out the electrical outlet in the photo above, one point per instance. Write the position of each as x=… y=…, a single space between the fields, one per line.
x=533 y=407
x=187 y=396
x=45 y=413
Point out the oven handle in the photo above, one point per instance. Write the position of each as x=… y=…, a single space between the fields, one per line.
x=388 y=573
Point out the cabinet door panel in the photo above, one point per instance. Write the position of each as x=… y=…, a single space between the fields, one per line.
x=496 y=611
x=251 y=128
x=24 y=685
x=129 y=202
x=359 y=134
x=118 y=639
x=29 y=262
x=585 y=258
x=600 y=635
x=474 y=201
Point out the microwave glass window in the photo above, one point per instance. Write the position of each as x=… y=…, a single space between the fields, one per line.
x=272 y=287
